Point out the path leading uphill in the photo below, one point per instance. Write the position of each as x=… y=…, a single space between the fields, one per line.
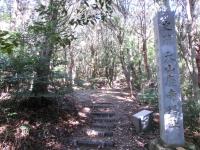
x=109 y=124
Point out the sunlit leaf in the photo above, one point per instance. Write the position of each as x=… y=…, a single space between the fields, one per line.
x=12 y=114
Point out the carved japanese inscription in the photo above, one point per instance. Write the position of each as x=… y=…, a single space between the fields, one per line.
x=170 y=105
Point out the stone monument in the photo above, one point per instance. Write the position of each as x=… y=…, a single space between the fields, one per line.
x=170 y=103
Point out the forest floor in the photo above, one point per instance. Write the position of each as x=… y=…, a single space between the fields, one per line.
x=25 y=126
x=64 y=125
x=37 y=123
x=124 y=135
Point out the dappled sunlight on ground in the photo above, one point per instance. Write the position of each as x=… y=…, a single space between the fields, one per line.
x=3 y=128
x=50 y=128
x=81 y=114
x=139 y=143
x=117 y=96
x=125 y=135
x=43 y=128
x=91 y=133
x=105 y=109
x=86 y=109
x=5 y=96
x=73 y=122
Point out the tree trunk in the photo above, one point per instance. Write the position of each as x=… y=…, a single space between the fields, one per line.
x=126 y=72
x=144 y=52
x=198 y=61
x=71 y=68
x=41 y=82
x=190 y=16
x=94 y=61
x=65 y=66
x=144 y=39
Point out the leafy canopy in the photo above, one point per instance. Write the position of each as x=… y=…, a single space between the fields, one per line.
x=8 y=41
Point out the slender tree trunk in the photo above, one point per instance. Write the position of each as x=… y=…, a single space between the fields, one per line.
x=71 y=68
x=144 y=40
x=190 y=10
x=126 y=72
x=198 y=61
x=144 y=52
x=66 y=76
x=94 y=61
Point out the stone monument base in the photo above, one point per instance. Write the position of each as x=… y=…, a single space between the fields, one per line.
x=156 y=144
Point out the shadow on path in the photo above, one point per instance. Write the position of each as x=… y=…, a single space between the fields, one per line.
x=109 y=124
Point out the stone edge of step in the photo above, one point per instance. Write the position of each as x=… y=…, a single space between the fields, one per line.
x=98 y=143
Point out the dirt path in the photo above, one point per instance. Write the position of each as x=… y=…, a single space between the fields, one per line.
x=109 y=124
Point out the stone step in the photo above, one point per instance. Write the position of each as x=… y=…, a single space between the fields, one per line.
x=102 y=111
x=103 y=114
x=103 y=126
x=103 y=105
x=86 y=104
x=98 y=133
x=104 y=120
x=93 y=143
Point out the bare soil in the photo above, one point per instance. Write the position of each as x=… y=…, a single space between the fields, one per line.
x=125 y=136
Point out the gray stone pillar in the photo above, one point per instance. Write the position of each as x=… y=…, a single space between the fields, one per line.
x=170 y=104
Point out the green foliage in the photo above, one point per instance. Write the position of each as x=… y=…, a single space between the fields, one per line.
x=137 y=83
x=103 y=9
x=16 y=70
x=8 y=41
x=149 y=96
x=5 y=16
x=13 y=114
x=152 y=58
x=187 y=89
x=52 y=15
x=23 y=63
x=79 y=82
x=192 y=115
